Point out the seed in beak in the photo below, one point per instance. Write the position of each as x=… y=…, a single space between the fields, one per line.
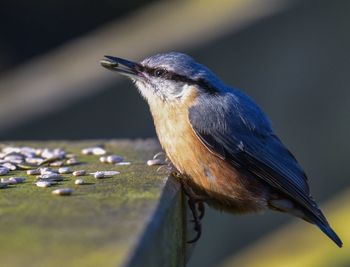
x=108 y=64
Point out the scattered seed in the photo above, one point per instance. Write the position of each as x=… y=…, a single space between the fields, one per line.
x=104 y=174
x=35 y=161
x=103 y=159
x=152 y=162
x=114 y=159
x=63 y=191
x=64 y=170
x=4 y=170
x=53 y=154
x=44 y=183
x=16 y=159
x=123 y=163
x=72 y=161
x=97 y=151
x=79 y=181
x=51 y=176
x=16 y=180
x=57 y=164
x=79 y=173
x=33 y=172
x=47 y=170
x=5 y=180
x=86 y=151
x=99 y=175
x=9 y=166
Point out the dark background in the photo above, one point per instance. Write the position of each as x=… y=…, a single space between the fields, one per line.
x=294 y=63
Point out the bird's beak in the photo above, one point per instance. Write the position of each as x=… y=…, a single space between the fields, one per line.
x=123 y=66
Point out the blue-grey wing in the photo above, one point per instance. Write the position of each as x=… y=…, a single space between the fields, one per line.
x=234 y=128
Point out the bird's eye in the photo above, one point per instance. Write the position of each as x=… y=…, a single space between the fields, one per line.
x=160 y=72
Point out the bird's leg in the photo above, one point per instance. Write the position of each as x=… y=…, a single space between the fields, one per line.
x=196 y=204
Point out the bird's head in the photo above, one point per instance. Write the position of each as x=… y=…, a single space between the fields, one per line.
x=170 y=77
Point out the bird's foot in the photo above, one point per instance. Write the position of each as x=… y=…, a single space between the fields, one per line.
x=196 y=204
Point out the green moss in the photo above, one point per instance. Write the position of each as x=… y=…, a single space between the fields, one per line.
x=96 y=226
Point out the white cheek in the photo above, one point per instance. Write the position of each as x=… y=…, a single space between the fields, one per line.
x=144 y=89
x=183 y=92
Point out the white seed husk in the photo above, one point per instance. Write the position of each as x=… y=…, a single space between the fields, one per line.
x=63 y=191
x=51 y=176
x=123 y=163
x=33 y=172
x=44 y=183
x=152 y=162
x=103 y=159
x=17 y=180
x=9 y=166
x=57 y=164
x=64 y=170
x=4 y=170
x=104 y=174
x=98 y=151
x=114 y=159
x=72 y=161
x=79 y=181
x=99 y=175
x=79 y=173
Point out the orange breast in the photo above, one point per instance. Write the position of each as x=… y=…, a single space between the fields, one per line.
x=227 y=188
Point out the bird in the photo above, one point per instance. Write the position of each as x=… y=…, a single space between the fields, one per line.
x=220 y=142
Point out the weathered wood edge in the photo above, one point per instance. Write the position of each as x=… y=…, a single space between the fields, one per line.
x=164 y=240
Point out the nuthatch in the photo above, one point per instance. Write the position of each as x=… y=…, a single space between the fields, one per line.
x=220 y=141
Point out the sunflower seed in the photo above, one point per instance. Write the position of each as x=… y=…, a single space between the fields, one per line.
x=51 y=176
x=51 y=154
x=33 y=172
x=104 y=174
x=152 y=162
x=16 y=180
x=4 y=170
x=16 y=159
x=99 y=175
x=103 y=159
x=36 y=161
x=72 y=161
x=9 y=166
x=97 y=151
x=79 y=173
x=57 y=164
x=123 y=163
x=63 y=191
x=114 y=159
x=44 y=183
x=46 y=170
x=64 y=170
x=79 y=181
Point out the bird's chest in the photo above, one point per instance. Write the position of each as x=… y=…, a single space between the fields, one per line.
x=206 y=172
x=176 y=136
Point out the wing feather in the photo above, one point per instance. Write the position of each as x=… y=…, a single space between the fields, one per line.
x=234 y=128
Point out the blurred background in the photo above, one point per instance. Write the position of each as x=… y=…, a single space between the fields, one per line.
x=292 y=57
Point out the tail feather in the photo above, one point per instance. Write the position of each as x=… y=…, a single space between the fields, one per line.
x=330 y=233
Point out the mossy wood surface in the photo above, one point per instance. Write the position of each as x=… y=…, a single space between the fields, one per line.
x=135 y=218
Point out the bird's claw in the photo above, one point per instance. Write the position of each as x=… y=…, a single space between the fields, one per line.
x=196 y=205
x=195 y=220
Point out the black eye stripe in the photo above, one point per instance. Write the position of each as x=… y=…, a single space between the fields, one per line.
x=169 y=75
